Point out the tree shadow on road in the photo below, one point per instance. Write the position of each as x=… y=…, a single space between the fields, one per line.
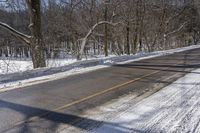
x=163 y=81
x=189 y=62
x=167 y=68
x=42 y=120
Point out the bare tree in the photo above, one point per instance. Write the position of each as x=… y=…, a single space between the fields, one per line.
x=148 y=25
x=84 y=40
x=35 y=39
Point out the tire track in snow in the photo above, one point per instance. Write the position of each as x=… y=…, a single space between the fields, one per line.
x=183 y=112
x=174 y=109
x=166 y=112
x=197 y=127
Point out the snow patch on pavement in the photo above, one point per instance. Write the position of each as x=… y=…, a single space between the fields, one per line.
x=175 y=108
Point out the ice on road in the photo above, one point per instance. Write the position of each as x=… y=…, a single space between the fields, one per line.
x=175 y=108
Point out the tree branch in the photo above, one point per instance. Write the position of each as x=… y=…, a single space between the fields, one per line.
x=84 y=40
x=175 y=31
x=21 y=36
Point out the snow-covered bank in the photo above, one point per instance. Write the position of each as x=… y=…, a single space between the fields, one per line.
x=27 y=76
x=175 y=108
x=14 y=65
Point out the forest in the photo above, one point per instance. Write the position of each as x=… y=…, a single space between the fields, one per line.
x=42 y=29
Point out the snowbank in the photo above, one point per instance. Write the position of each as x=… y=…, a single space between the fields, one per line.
x=29 y=76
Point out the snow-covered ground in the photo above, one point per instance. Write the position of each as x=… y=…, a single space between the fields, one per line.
x=20 y=65
x=18 y=73
x=174 y=109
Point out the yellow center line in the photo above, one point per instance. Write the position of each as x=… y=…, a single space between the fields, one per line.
x=92 y=96
x=103 y=92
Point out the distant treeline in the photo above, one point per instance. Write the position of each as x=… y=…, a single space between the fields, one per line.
x=145 y=25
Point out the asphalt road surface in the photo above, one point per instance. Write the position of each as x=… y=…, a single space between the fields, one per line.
x=46 y=107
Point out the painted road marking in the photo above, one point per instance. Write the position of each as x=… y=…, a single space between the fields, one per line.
x=91 y=96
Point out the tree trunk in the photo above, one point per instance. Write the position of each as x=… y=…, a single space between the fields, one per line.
x=37 y=44
x=134 y=48
x=135 y=41
x=106 y=29
x=127 y=39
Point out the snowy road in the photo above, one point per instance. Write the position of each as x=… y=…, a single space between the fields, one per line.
x=110 y=96
x=176 y=108
x=19 y=73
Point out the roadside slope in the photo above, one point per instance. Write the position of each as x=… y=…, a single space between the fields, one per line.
x=31 y=77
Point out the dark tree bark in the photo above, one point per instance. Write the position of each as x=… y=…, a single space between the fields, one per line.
x=135 y=38
x=106 y=28
x=37 y=44
x=35 y=41
x=127 y=39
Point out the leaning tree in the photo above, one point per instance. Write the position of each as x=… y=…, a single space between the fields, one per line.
x=35 y=40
